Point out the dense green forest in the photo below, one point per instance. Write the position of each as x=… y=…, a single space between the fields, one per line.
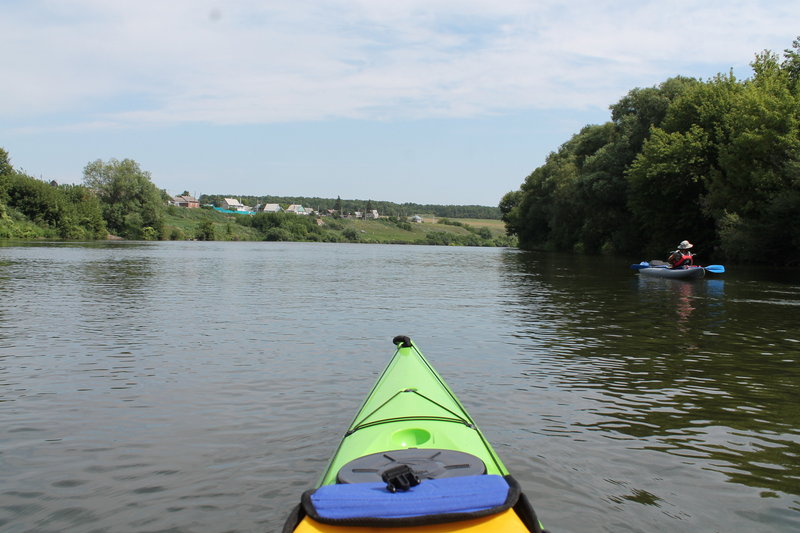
x=384 y=208
x=716 y=162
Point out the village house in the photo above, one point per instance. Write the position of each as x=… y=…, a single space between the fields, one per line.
x=365 y=215
x=186 y=201
x=232 y=204
x=270 y=208
x=297 y=209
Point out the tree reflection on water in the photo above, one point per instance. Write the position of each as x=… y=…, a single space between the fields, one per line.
x=696 y=369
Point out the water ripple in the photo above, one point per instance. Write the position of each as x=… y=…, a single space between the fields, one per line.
x=203 y=386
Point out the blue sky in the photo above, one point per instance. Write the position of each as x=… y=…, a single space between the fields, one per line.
x=428 y=101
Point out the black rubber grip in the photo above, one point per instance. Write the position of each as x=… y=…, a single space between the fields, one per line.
x=402 y=340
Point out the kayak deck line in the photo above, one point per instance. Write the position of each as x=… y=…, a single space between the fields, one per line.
x=456 y=418
x=409 y=419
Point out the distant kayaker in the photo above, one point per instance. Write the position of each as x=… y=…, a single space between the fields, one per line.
x=682 y=256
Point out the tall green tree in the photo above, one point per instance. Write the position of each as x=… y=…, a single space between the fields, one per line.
x=5 y=173
x=791 y=64
x=88 y=213
x=668 y=181
x=758 y=200
x=5 y=163
x=132 y=205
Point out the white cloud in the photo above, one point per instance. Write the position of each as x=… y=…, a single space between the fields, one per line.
x=131 y=62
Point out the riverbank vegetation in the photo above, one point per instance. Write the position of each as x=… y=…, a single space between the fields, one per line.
x=208 y=224
x=34 y=209
x=716 y=162
x=119 y=199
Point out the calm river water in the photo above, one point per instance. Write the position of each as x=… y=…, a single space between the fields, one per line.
x=201 y=386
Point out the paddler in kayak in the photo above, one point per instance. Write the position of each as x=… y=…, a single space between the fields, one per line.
x=681 y=257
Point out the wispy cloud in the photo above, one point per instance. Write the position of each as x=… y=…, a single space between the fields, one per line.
x=133 y=62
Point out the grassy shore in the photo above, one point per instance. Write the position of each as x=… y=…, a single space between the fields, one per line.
x=184 y=224
x=187 y=224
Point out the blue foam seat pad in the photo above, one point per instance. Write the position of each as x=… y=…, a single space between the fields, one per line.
x=465 y=494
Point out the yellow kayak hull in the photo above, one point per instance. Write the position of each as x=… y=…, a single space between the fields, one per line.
x=507 y=521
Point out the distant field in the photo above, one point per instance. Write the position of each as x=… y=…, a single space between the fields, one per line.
x=497 y=227
x=384 y=231
x=492 y=224
x=185 y=223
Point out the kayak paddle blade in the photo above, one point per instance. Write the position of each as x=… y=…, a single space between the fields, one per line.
x=716 y=269
x=643 y=264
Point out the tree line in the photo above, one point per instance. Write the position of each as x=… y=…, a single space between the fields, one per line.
x=384 y=208
x=716 y=162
